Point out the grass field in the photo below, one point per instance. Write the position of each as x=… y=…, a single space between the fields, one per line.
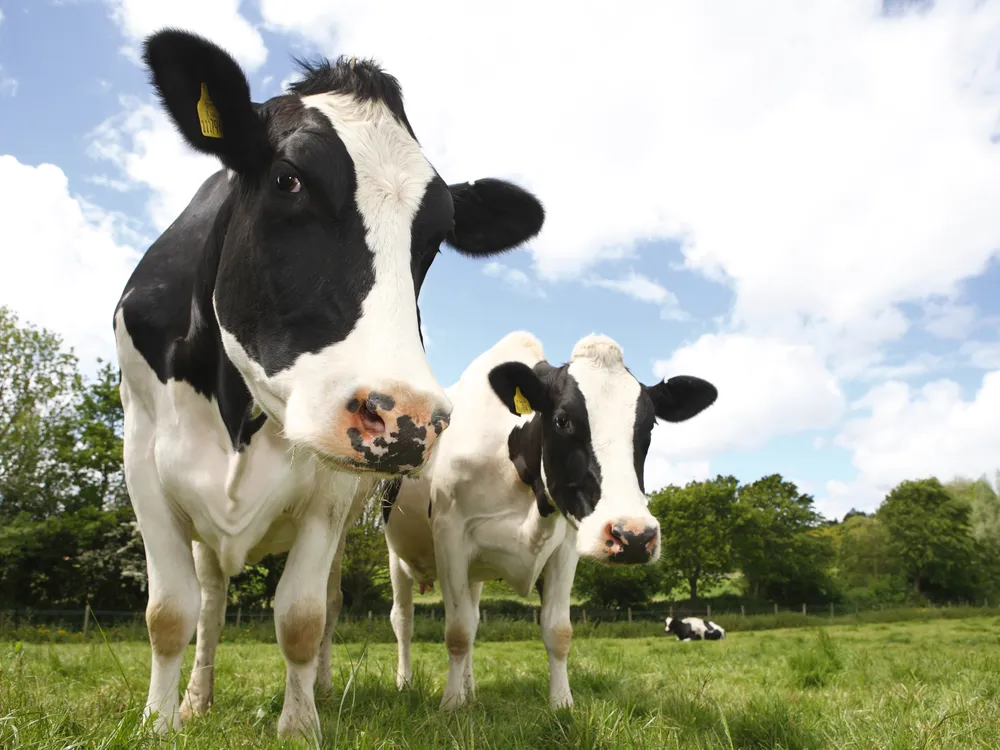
x=929 y=684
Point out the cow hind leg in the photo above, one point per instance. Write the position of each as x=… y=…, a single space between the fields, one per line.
x=401 y=617
x=199 y=695
x=300 y=606
x=468 y=680
x=334 y=603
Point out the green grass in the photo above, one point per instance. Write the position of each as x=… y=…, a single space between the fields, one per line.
x=931 y=684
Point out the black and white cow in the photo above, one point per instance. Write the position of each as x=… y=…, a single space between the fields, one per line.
x=541 y=464
x=694 y=629
x=272 y=366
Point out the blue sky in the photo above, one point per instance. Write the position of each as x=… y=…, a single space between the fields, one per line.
x=812 y=229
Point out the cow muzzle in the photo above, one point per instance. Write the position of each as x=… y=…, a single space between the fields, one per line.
x=631 y=541
x=390 y=429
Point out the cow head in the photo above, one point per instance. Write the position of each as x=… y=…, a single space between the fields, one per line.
x=584 y=446
x=334 y=217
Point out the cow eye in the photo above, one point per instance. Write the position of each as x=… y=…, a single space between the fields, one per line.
x=288 y=183
x=562 y=423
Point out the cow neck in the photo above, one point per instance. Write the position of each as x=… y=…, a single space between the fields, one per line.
x=232 y=397
x=524 y=446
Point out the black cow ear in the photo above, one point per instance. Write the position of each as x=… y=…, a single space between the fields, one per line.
x=206 y=94
x=493 y=216
x=681 y=397
x=520 y=389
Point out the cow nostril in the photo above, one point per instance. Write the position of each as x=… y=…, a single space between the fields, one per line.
x=618 y=533
x=371 y=421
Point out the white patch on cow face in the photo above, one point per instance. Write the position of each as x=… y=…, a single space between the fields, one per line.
x=611 y=393
x=382 y=354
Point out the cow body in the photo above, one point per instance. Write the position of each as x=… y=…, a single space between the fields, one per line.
x=694 y=629
x=272 y=367
x=521 y=496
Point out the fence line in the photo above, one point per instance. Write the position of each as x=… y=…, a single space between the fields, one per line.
x=79 y=620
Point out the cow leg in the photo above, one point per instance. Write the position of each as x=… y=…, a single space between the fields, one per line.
x=459 y=614
x=214 y=584
x=557 y=631
x=300 y=604
x=401 y=617
x=469 y=683
x=334 y=603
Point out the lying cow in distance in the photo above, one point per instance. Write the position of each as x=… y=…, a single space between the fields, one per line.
x=541 y=464
x=694 y=629
x=272 y=367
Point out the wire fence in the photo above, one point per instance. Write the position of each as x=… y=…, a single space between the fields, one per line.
x=84 y=620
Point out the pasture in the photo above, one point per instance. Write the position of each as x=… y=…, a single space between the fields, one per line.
x=921 y=684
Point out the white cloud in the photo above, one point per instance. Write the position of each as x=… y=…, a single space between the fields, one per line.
x=8 y=86
x=644 y=289
x=218 y=20
x=908 y=433
x=789 y=146
x=143 y=144
x=660 y=471
x=71 y=251
x=767 y=388
x=513 y=277
x=984 y=355
x=948 y=320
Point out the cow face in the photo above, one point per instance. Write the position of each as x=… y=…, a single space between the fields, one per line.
x=333 y=220
x=587 y=440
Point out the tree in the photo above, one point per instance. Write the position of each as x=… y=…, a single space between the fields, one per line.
x=696 y=529
x=863 y=551
x=364 y=577
x=618 y=586
x=929 y=534
x=984 y=504
x=777 y=542
x=39 y=385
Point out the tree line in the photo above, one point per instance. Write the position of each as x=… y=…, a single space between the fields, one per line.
x=68 y=533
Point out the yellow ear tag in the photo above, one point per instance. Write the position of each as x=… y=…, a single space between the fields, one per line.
x=521 y=405
x=208 y=115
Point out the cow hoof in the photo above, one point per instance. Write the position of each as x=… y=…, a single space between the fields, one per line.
x=191 y=707
x=452 y=702
x=561 y=701
x=299 y=727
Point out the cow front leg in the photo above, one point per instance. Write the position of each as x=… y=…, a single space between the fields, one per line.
x=334 y=603
x=172 y=606
x=557 y=631
x=459 y=614
x=214 y=584
x=401 y=617
x=300 y=605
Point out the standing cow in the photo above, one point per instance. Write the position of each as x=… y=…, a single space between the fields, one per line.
x=271 y=360
x=694 y=629
x=541 y=464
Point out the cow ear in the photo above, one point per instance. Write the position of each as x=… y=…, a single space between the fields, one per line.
x=207 y=95
x=520 y=389
x=681 y=397
x=493 y=216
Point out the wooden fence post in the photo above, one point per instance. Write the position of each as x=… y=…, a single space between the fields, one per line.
x=534 y=615
x=584 y=617
x=831 y=610
x=369 y=615
x=630 y=614
x=775 y=608
x=803 y=608
x=482 y=615
x=239 y=616
x=670 y=613
x=86 y=619
x=743 y=612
